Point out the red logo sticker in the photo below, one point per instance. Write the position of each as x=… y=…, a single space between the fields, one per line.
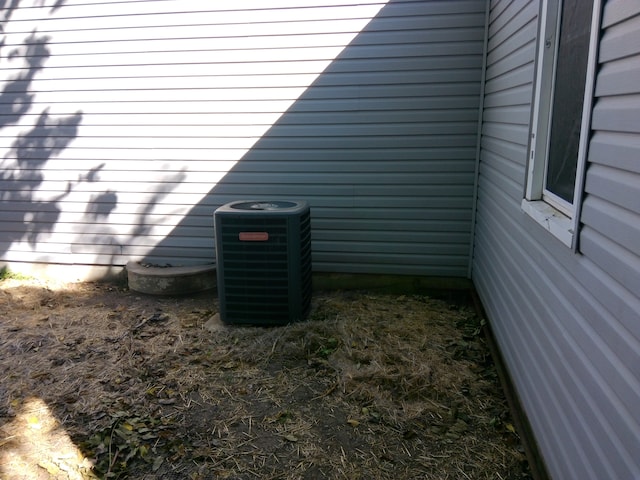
x=253 y=236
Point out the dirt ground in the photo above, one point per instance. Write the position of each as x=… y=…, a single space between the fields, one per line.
x=97 y=381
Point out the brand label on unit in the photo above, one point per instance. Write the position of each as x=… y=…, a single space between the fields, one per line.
x=253 y=236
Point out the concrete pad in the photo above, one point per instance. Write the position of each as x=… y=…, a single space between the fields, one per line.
x=154 y=280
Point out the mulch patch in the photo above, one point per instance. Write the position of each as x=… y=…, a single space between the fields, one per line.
x=97 y=381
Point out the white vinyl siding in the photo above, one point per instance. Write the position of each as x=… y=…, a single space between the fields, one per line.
x=367 y=110
x=567 y=324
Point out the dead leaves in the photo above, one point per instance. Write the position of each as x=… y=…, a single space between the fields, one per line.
x=129 y=440
x=366 y=388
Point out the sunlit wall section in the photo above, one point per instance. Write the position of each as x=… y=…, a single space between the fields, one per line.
x=119 y=117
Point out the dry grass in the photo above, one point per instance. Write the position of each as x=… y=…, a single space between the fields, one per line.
x=128 y=386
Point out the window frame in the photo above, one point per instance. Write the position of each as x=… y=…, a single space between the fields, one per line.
x=556 y=215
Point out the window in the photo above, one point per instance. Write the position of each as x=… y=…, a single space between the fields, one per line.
x=565 y=71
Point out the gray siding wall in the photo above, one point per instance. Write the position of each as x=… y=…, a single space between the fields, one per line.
x=568 y=324
x=125 y=124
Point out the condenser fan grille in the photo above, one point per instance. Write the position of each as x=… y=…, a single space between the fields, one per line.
x=270 y=206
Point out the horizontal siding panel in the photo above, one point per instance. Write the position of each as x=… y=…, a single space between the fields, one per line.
x=407 y=237
x=609 y=256
x=311 y=142
x=396 y=118
x=618 y=77
x=617 y=186
x=619 y=307
x=95 y=253
x=517 y=134
x=514 y=32
x=496 y=181
x=242 y=11
x=67 y=44
x=246 y=98
x=350 y=245
x=508 y=114
x=236 y=98
x=85 y=8
x=253 y=99
x=364 y=224
x=618 y=10
x=417 y=141
x=235 y=86
x=185 y=24
x=292 y=157
x=261 y=22
x=507 y=98
x=116 y=181
x=395 y=248
x=615 y=149
x=327 y=163
x=212 y=75
x=101 y=254
x=343 y=264
x=520 y=76
x=343 y=198
x=266 y=74
x=231 y=58
x=329 y=9
x=82 y=6
x=295 y=131
x=513 y=152
x=620 y=40
x=511 y=171
x=496 y=10
x=338 y=207
x=146 y=236
x=70 y=169
x=617 y=114
x=508 y=66
x=618 y=223
x=516 y=46
x=405 y=262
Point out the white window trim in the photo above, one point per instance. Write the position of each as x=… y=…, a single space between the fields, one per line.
x=557 y=217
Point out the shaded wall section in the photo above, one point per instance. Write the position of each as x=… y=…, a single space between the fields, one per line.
x=566 y=322
x=382 y=145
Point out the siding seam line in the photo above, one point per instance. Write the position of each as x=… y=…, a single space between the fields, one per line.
x=479 y=137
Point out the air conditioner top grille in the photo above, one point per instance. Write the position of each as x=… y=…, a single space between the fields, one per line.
x=270 y=206
x=286 y=208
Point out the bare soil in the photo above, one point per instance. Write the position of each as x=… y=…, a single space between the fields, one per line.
x=97 y=381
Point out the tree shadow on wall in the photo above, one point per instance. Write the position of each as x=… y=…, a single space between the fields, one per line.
x=29 y=210
x=23 y=215
x=106 y=244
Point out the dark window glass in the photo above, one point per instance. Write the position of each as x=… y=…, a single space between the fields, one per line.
x=571 y=75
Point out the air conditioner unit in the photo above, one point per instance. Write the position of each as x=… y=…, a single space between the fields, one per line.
x=263 y=261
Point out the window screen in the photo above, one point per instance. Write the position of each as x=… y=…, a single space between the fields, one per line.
x=568 y=97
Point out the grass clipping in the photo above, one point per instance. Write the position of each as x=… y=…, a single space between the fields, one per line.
x=369 y=387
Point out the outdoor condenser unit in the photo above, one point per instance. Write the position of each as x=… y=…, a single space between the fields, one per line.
x=263 y=261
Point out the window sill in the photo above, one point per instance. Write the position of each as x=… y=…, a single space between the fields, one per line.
x=552 y=220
